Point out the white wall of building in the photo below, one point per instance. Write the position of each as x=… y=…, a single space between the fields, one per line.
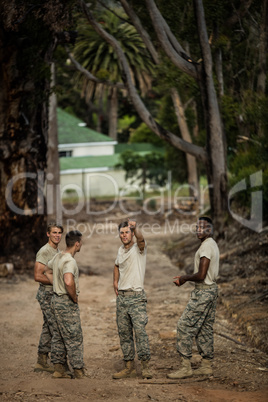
x=96 y=183
x=89 y=149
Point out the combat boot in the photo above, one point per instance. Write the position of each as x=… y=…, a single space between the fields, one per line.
x=128 y=372
x=59 y=371
x=185 y=370
x=79 y=373
x=205 y=368
x=145 y=370
x=42 y=364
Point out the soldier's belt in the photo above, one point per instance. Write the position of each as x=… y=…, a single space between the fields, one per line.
x=129 y=292
x=204 y=286
x=46 y=288
x=62 y=296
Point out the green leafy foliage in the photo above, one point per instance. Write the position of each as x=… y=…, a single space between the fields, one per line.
x=96 y=55
x=144 y=134
x=144 y=168
x=251 y=157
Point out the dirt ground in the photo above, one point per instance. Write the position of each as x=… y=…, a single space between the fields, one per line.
x=240 y=369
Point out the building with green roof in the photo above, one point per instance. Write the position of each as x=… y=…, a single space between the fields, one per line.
x=77 y=140
x=88 y=159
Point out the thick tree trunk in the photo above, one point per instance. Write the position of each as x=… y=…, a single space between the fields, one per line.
x=190 y=160
x=28 y=35
x=23 y=137
x=24 y=82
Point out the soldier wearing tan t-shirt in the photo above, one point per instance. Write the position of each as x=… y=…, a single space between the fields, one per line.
x=67 y=340
x=131 y=315
x=44 y=294
x=199 y=315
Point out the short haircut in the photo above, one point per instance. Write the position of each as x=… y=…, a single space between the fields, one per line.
x=54 y=225
x=209 y=221
x=124 y=224
x=72 y=237
x=206 y=218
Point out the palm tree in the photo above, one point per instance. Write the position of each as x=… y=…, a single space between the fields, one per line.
x=98 y=57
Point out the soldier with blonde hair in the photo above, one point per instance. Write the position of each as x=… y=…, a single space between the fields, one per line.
x=45 y=293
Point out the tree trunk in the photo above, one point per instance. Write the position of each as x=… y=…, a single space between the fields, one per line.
x=24 y=82
x=113 y=106
x=23 y=138
x=100 y=110
x=190 y=160
x=218 y=63
x=28 y=36
x=53 y=194
x=263 y=48
x=216 y=163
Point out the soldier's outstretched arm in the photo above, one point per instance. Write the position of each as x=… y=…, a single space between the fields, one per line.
x=138 y=234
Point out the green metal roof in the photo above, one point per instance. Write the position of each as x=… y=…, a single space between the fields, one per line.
x=86 y=162
x=69 y=131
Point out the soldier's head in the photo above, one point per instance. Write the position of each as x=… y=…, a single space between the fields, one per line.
x=125 y=233
x=74 y=239
x=54 y=232
x=52 y=225
x=204 y=228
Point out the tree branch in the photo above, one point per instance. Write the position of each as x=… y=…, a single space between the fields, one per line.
x=90 y=76
x=144 y=35
x=112 y=11
x=239 y=14
x=169 y=43
x=145 y=115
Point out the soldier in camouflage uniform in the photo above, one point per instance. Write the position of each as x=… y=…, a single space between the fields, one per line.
x=44 y=294
x=67 y=331
x=199 y=315
x=129 y=272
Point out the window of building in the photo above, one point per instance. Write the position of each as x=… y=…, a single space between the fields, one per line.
x=64 y=154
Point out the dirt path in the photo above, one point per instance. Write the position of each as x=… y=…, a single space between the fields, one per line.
x=240 y=372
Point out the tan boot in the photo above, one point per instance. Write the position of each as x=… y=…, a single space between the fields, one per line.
x=42 y=364
x=60 y=371
x=185 y=370
x=128 y=372
x=79 y=373
x=145 y=370
x=205 y=368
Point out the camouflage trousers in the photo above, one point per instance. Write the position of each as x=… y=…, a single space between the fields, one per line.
x=44 y=298
x=67 y=337
x=197 y=322
x=131 y=315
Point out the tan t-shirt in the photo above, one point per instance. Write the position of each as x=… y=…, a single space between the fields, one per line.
x=210 y=250
x=132 y=264
x=44 y=255
x=61 y=264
